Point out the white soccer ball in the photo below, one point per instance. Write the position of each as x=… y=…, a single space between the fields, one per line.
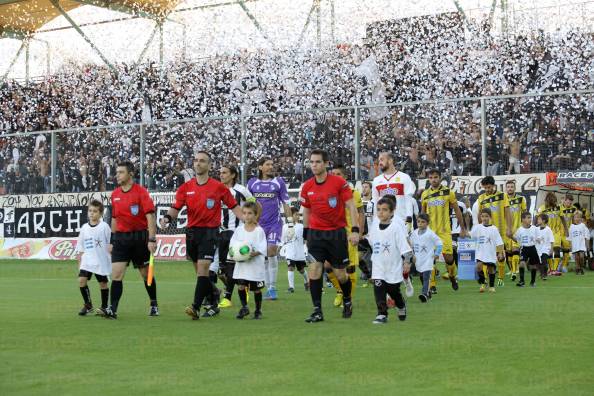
x=239 y=251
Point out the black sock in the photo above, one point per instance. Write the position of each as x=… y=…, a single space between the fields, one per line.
x=532 y=276
x=379 y=290
x=212 y=276
x=152 y=291
x=202 y=290
x=491 y=280
x=315 y=289
x=117 y=288
x=394 y=292
x=229 y=289
x=522 y=270
x=243 y=297
x=104 y=297
x=258 y=299
x=86 y=295
x=346 y=290
x=481 y=277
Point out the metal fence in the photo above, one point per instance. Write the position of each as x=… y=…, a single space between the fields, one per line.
x=524 y=133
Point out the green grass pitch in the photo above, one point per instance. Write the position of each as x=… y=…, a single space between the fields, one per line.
x=517 y=341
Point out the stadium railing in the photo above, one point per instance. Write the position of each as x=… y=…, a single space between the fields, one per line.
x=523 y=133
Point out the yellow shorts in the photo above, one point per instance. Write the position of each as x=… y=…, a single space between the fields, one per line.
x=565 y=244
x=558 y=237
x=510 y=245
x=353 y=255
x=446 y=239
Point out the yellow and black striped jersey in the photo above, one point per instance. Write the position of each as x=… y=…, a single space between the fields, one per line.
x=437 y=204
x=517 y=205
x=567 y=213
x=554 y=215
x=497 y=203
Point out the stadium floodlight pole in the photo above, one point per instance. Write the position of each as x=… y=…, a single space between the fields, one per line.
x=142 y=153
x=483 y=137
x=255 y=22
x=57 y=5
x=319 y=23
x=53 y=162
x=332 y=22
x=357 y=142
x=243 y=151
x=22 y=47
x=161 y=46
x=27 y=43
x=307 y=22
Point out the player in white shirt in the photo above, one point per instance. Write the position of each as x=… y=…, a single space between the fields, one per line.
x=250 y=273
x=544 y=243
x=229 y=222
x=579 y=235
x=393 y=182
x=295 y=251
x=526 y=236
x=94 y=257
x=427 y=247
x=388 y=240
x=489 y=249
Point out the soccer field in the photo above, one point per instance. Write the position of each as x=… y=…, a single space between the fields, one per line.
x=517 y=341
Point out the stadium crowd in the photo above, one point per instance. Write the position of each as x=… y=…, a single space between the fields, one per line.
x=524 y=135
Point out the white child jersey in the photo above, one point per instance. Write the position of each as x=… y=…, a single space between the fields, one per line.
x=424 y=246
x=398 y=184
x=544 y=240
x=578 y=234
x=487 y=240
x=252 y=269
x=294 y=248
x=388 y=246
x=93 y=242
x=526 y=236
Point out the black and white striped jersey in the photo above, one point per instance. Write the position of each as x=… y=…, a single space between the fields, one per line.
x=229 y=222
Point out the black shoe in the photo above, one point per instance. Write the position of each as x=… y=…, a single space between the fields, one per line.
x=423 y=298
x=101 y=312
x=192 y=312
x=315 y=317
x=243 y=312
x=521 y=284
x=211 y=311
x=433 y=290
x=86 y=309
x=291 y=290
x=154 y=311
x=532 y=284
x=454 y=284
x=306 y=286
x=401 y=313
x=109 y=314
x=257 y=315
x=513 y=277
x=347 y=310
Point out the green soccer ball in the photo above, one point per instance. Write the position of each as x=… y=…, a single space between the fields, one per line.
x=239 y=251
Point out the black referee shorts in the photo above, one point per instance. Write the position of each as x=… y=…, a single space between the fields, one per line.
x=201 y=243
x=131 y=246
x=331 y=246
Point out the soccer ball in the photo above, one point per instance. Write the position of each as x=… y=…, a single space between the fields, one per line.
x=239 y=251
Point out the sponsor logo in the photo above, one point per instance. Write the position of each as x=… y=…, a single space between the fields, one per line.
x=117 y=199
x=190 y=193
x=436 y=202
x=310 y=193
x=575 y=175
x=64 y=249
x=265 y=195
x=171 y=248
x=134 y=209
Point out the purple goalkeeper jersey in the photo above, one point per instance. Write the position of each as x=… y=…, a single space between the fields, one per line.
x=270 y=194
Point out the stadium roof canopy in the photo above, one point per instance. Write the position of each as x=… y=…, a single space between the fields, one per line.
x=20 y=18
